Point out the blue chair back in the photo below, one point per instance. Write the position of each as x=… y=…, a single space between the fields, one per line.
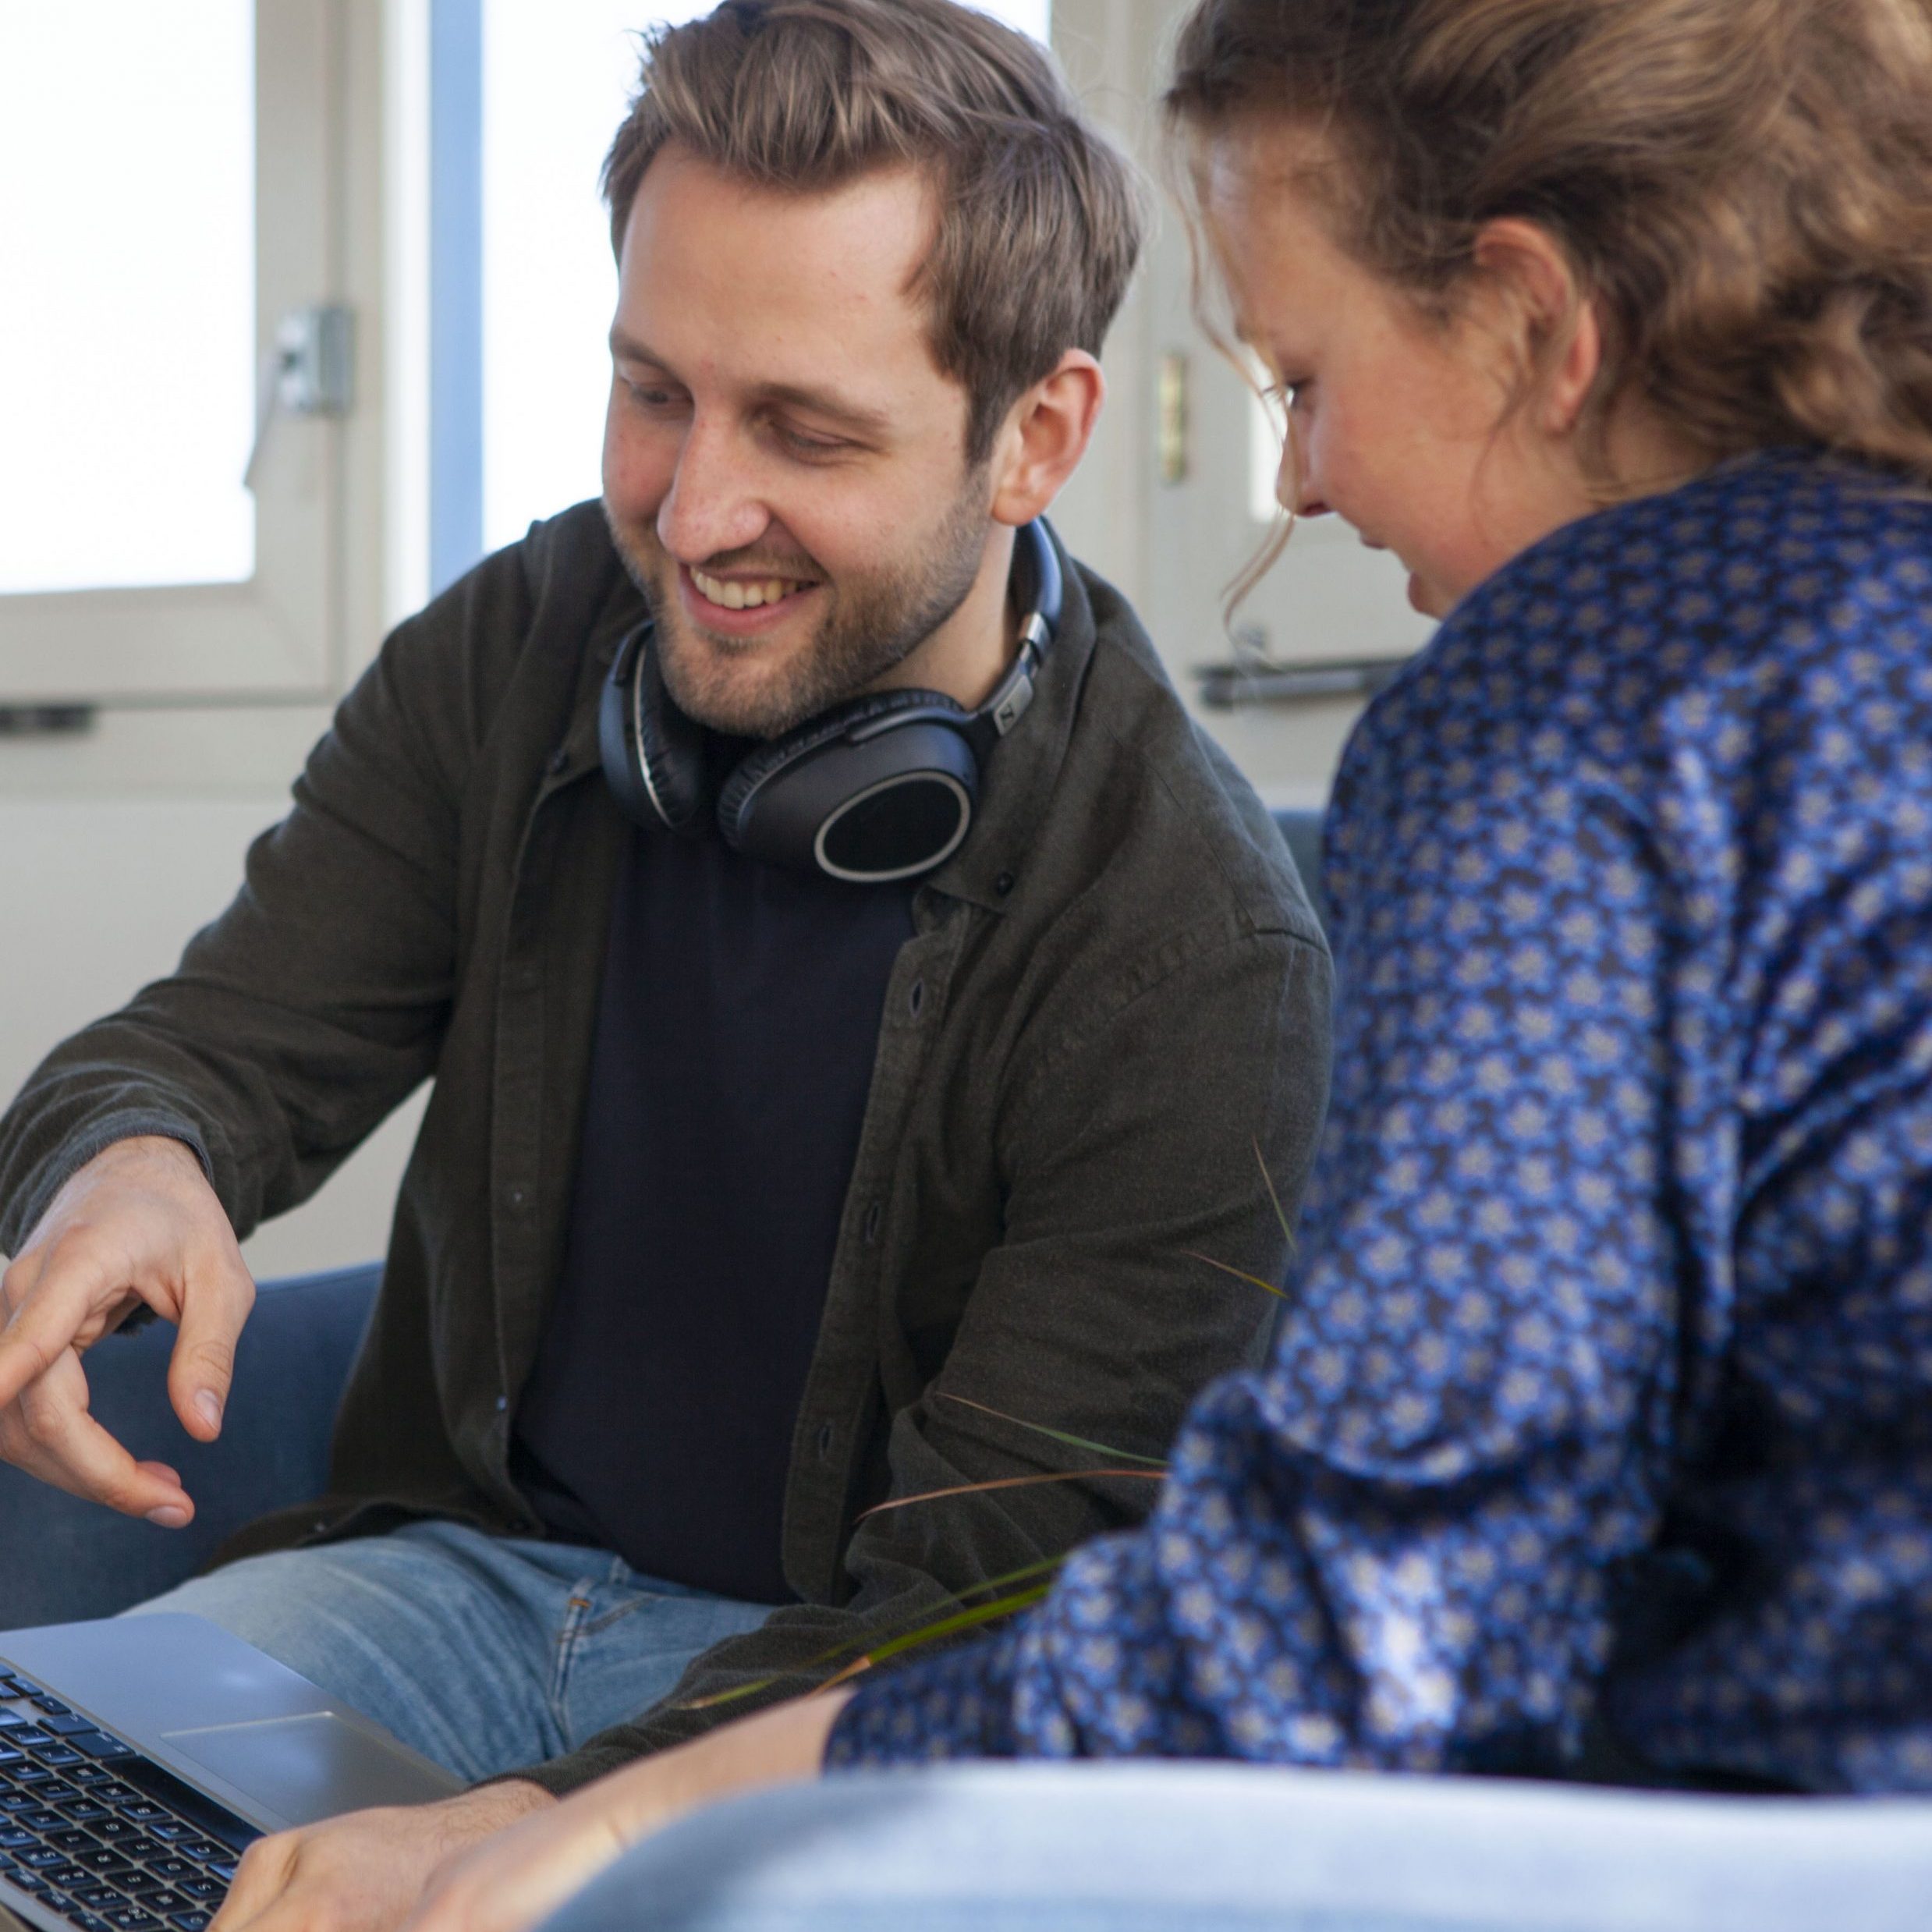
x=1302 y=832
x=61 y=1559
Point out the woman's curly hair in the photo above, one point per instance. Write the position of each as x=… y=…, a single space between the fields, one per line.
x=1743 y=187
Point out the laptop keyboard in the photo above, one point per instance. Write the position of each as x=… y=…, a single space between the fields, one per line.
x=100 y=1835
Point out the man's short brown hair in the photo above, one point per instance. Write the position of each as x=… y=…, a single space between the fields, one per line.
x=1039 y=217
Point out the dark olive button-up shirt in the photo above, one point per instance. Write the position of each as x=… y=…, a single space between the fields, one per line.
x=1115 y=995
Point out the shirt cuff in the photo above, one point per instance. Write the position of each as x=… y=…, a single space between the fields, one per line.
x=958 y=1704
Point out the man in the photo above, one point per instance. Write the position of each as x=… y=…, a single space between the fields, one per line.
x=748 y=1198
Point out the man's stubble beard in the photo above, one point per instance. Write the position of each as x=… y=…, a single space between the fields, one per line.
x=874 y=624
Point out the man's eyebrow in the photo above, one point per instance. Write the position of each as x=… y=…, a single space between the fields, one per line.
x=854 y=416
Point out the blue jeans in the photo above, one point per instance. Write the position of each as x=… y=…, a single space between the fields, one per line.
x=487 y=1653
x=1150 y=1846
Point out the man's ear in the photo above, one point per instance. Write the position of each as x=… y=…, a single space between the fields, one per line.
x=1044 y=436
x=1553 y=337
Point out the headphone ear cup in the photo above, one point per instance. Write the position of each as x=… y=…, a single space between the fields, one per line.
x=786 y=804
x=652 y=755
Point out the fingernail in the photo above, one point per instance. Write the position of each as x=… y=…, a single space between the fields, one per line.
x=168 y=1517
x=208 y=1407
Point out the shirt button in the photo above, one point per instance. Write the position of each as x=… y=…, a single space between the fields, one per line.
x=917 y=998
x=559 y=759
x=517 y=1197
x=824 y=1441
x=502 y=1402
x=1003 y=884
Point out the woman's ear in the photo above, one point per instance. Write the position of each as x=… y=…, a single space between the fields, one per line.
x=1045 y=435
x=1556 y=341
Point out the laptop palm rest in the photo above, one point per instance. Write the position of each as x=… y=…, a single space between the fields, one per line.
x=264 y=1741
x=304 y=1768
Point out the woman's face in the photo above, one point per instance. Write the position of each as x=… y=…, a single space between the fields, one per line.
x=1399 y=423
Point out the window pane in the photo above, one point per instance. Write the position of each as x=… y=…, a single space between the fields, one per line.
x=556 y=80
x=127 y=299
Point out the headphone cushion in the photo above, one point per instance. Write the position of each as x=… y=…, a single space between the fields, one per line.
x=754 y=771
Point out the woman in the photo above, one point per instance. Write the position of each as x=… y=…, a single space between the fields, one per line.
x=1598 y=1441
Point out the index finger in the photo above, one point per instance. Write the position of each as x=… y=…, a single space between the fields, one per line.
x=50 y=1299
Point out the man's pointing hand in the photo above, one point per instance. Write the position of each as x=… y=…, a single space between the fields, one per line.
x=139 y=1224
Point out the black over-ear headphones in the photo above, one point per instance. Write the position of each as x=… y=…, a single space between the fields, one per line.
x=882 y=787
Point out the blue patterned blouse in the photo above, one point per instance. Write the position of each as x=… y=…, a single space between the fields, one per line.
x=1607 y=1389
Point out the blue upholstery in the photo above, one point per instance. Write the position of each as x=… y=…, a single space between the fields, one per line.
x=62 y=1558
x=1303 y=831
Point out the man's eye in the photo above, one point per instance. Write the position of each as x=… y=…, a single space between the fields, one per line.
x=802 y=443
x=651 y=396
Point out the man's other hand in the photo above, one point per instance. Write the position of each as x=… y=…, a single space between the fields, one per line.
x=139 y=1224
x=365 y=1872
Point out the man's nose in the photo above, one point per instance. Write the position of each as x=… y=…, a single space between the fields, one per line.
x=713 y=504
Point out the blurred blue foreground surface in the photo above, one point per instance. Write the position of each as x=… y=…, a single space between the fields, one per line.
x=1148 y=1847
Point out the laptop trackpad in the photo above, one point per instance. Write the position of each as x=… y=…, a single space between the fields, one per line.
x=310 y=1767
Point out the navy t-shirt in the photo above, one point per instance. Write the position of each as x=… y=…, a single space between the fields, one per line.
x=735 y=1034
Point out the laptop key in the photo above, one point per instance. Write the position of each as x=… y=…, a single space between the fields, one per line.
x=207 y=1890
x=104 y=1859
x=99 y=1746
x=59 y=1755
x=173 y=1870
x=86 y=1812
x=131 y=1918
x=144 y=1811
x=111 y=1828
x=191 y=1921
x=164 y=1899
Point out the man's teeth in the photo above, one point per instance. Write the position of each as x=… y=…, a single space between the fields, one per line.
x=738 y=596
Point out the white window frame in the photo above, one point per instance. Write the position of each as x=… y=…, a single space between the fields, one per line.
x=294 y=631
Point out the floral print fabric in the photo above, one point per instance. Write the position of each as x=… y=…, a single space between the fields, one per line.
x=1606 y=1393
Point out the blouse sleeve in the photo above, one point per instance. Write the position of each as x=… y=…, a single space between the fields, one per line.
x=1398 y=1546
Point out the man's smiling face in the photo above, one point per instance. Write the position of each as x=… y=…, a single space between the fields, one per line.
x=785 y=466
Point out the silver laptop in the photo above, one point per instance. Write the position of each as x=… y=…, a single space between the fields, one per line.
x=139 y=1757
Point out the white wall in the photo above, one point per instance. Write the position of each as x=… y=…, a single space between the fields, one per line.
x=99 y=893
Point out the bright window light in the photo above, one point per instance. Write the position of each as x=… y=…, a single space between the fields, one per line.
x=557 y=80
x=127 y=292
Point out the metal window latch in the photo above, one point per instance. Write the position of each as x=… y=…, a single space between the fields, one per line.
x=1247 y=681
x=310 y=371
